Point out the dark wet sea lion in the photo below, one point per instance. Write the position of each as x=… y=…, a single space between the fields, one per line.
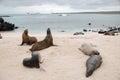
x=33 y=61
x=88 y=49
x=27 y=39
x=92 y=64
x=47 y=42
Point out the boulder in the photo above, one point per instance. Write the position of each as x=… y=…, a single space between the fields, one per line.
x=78 y=33
x=6 y=26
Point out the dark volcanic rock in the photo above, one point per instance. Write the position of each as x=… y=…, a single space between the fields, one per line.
x=85 y=30
x=6 y=26
x=78 y=33
x=1 y=20
x=101 y=32
x=110 y=31
x=89 y=23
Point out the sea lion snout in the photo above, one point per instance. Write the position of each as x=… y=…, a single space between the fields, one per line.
x=26 y=31
x=89 y=73
x=95 y=52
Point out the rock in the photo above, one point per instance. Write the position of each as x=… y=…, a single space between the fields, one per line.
x=16 y=27
x=1 y=20
x=78 y=33
x=85 y=30
x=89 y=23
x=62 y=31
x=6 y=26
x=101 y=32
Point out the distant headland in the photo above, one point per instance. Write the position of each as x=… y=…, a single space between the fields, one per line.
x=96 y=12
x=4 y=16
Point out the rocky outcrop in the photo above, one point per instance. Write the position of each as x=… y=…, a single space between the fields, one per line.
x=78 y=33
x=111 y=31
x=6 y=26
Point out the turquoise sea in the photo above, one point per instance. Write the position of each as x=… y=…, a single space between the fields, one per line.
x=69 y=23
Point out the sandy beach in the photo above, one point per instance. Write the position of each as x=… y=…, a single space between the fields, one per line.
x=64 y=62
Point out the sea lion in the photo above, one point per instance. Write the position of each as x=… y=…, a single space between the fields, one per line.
x=109 y=33
x=88 y=49
x=28 y=39
x=33 y=61
x=0 y=36
x=47 y=42
x=92 y=64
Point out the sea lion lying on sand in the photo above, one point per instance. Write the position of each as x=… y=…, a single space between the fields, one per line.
x=109 y=33
x=27 y=39
x=88 y=49
x=33 y=61
x=47 y=42
x=92 y=64
x=0 y=36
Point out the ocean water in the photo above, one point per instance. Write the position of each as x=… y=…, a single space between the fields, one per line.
x=69 y=23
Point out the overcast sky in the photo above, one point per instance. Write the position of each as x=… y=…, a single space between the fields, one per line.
x=48 y=6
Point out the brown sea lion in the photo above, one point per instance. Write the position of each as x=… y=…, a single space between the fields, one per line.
x=28 y=39
x=0 y=36
x=109 y=33
x=88 y=49
x=33 y=61
x=92 y=64
x=47 y=42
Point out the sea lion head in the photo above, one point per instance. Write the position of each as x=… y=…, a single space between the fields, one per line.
x=95 y=52
x=89 y=72
x=48 y=31
x=26 y=31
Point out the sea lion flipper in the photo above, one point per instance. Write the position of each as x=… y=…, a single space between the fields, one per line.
x=54 y=45
x=42 y=61
x=22 y=43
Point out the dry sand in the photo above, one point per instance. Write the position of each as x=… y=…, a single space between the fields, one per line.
x=64 y=62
